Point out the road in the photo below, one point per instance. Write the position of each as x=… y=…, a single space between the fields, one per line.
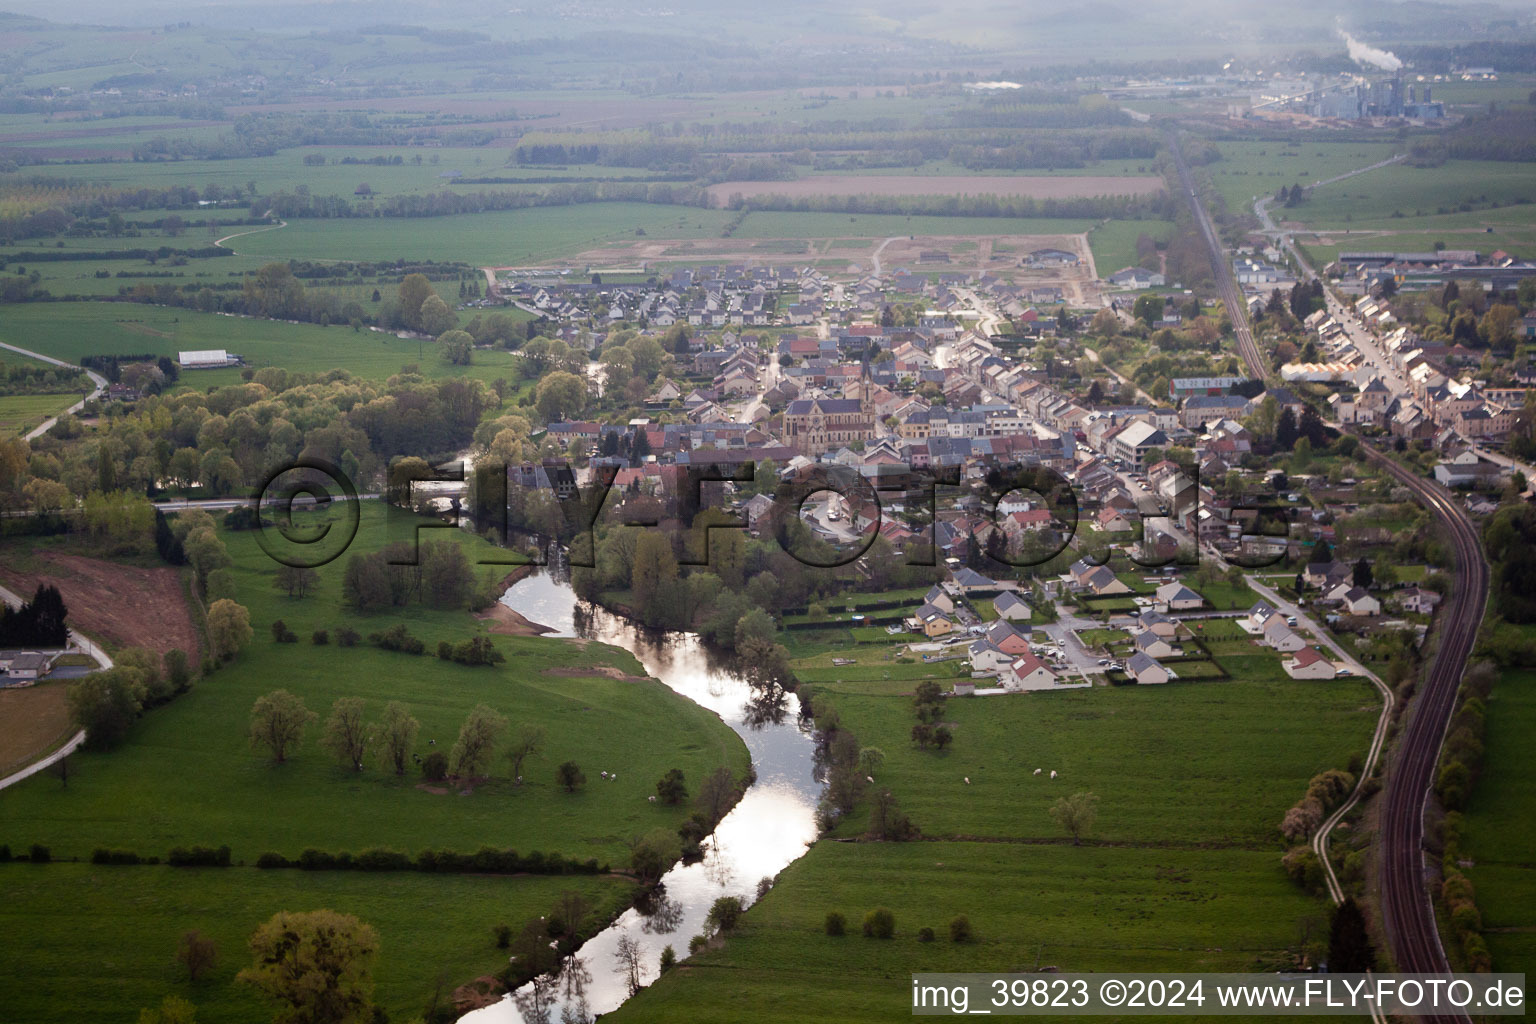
x=875 y=256
x=96 y=379
x=1408 y=915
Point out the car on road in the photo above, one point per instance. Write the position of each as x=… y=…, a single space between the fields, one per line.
x=1103 y=661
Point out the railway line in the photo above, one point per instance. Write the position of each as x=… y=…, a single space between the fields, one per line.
x=1408 y=915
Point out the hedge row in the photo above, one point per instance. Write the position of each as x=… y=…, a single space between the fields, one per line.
x=487 y=860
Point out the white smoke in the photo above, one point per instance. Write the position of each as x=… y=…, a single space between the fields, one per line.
x=1363 y=53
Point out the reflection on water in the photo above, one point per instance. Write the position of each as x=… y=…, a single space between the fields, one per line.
x=768 y=829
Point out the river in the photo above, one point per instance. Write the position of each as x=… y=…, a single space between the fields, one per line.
x=771 y=826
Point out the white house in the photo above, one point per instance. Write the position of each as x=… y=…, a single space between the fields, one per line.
x=1161 y=624
x=1011 y=606
x=1417 y=599
x=1309 y=663
x=1176 y=597
x=1281 y=637
x=23 y=668
x=936 y=596
x=1359 y=602
x=1027 y=673
x=1145 y=669
x=988 y=657
x=1152 y=645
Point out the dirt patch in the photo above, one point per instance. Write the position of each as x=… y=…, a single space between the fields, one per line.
x=1068 y=186
x=118 y=605
x=478 y=994
x=434 y=790
x=606 y=671
x=507 y=622
x=33 y=720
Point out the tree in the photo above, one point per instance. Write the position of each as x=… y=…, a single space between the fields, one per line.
x=1105 y=324
x=415 y=289
x=1075 y=814
x=197 y=954
x=365 y=583
x=394 y=735
x=879 y=923
x=1148 y=308
x=724 y=913
x=457 y=347
x=960 y=929
x=318 y=967
x=1349 y=944
x=1285 y=429
x=345 y=735
x=570 y=776
x=172 y=1010
x=477 y=738
x=436 y=318
x=1361 y=575
x=277 y=723
x=560 y=396
x=527 y=742
x=105 y=705
x=716 y=794
x=670 y=788
x=229 y=628
x=654 y=853
x=295 y=579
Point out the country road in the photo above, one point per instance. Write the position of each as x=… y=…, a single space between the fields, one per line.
x=96 y=379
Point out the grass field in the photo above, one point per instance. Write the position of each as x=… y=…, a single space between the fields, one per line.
x=771 y=224
x=188 y=776
x=101 y=940
x=503 y=237
x=1249 y=169
x=1498 y=823
x=1181 y=873
x=33 y=720
x=70 y=330
x=1114 y=242
x=20 y=413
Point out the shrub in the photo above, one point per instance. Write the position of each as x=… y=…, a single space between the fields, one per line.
x=101 y=855
x=5 y=854
x=198 y=857
x=668 y=959
x=434 y=767
x=383 y=860
x=398 y=638
x=724 y=913
x=347 y=636
x=697 y=943
x=879 y=923
x=925 y=934
x=445 y=650
x=320 y=638
x=272 y=860
x=960 y=929
x=836 y=923
x=282 y=634
x=503 y=935
x=39 y=854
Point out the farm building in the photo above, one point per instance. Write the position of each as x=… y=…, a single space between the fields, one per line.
x=23 y=668
x=206 y=359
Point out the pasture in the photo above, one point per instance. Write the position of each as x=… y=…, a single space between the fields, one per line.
x=69 y=331
x=187 y=774
x=20 y=413
x=1113 y=242
x=1249 y=169
x=1039 y=187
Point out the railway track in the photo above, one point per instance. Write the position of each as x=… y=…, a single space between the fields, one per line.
x=1408 y=914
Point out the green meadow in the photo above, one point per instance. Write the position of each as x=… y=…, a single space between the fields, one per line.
x=187 y=775
x=1181 y=872
x=1113 y=242
x=772 y=224
x=1497 y=823
x=69 y=331
x=1249 y=169
x=20 y=413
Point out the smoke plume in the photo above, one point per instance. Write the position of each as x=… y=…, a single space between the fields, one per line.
x=1362 y=53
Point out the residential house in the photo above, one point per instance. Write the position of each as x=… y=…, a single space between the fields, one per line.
x=23 y=668
x=1163 y=625
x=1152 y=645
x=1309 y=663
x=1280 y=636
x=1027 y=672
x=1357 y=601
x=931 y=621
x=1419 y=600
x=969 y=581
x=1010 y=607
x=988 y=657
x=1007 y=637
x=1176 y=597
x=1146 y=669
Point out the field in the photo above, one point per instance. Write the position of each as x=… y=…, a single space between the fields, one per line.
x=20 y=413
x=1497 y=822
x=1181 y=873
x=1372 y=199
x=1250 y=169
x=69 y=331
x=1114 y=242
x=187 y=775
x=497 y=238
x=33 y=720
x=84 y=921
x=93 y=590
x=1040 y=187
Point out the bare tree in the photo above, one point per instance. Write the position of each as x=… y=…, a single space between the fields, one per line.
x=716 y=794
x=394 y=736
x=1075 y=814
x=345 y=735
x=631 y=966
x=527 y=742
x=197 y=954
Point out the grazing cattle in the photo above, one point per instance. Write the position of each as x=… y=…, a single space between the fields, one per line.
x=1037 y=771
